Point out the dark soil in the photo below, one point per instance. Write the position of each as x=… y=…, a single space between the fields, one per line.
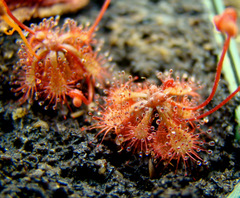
x=58 y=158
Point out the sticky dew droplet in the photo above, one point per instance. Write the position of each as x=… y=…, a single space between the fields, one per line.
x=147 y=152
x=209 y=131
x=205 y=162
x=158 y=121
x=211 y=143
x=209 y=152
x=128 y=149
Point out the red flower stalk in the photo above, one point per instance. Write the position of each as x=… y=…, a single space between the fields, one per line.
x=225 y=23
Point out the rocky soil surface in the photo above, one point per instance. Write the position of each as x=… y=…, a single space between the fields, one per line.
x=43 y=154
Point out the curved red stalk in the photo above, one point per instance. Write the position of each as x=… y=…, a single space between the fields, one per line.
x=216 y=81
x=98 y=19
x=15 y=24
x=225 y=23
x=15 y=19
x=217 y=107
x=217 y=76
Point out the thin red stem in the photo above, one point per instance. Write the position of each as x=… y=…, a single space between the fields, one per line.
x=217 y=107
x=98 y=19
x=15 y=19
x=216 y=81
